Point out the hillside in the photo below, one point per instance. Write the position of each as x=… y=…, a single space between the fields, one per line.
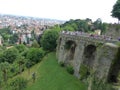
x=50 y=76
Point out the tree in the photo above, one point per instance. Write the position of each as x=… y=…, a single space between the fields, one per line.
x=21 y=48
x=48 y=40
x=10 y=55
x=116 y=10
x=34 y=55
x=5 y=33
x=104 y=27
x=56 y=27
x=28 y=65
x=4 y=66
x=77 y=25
x=68 y=28
x=1 y=57
x=35 y=44
x=14 y=38
x=18 y=83
x=20 y=60
x=98 y=24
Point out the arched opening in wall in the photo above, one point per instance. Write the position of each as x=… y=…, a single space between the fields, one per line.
x=114 y=72
x=89 y=55
x=70 y=49
x=88 y=60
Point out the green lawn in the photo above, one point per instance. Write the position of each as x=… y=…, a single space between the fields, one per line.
x=50 y=76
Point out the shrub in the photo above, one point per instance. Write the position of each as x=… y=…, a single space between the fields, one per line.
x=70 y=69
x=18 y=83
x=62 y=63
x=10 y=55
x=83 y=72
x=21 y=48
x=35 y=44
x=35 y=55
x=100 y=85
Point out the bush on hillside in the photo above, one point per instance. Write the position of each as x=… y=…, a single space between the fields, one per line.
x=70 y=69
x=10 y=55
x=35 y=55
x=35 y=44
x=18 y=83
x=62 y=64
x=21 y=48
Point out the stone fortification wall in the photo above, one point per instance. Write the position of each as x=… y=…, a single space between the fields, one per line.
x=95 y=53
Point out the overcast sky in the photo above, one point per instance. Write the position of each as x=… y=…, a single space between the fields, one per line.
x=60 y=9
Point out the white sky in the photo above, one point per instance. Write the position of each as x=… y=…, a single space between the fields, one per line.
x=60 y=9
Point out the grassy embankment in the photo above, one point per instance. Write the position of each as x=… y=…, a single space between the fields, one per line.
x=51 y=76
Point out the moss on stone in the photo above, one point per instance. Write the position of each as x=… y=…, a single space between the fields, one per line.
x=84 y=72
x=100 y=85
x=118 y=44
x=99 y=44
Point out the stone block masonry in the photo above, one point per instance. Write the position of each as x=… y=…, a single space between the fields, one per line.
x=99 y=56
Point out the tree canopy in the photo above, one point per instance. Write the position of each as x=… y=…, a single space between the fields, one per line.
x=35 y=55
x=10 y=55
x=48 y=40
x=116 y=10
x=86 y=25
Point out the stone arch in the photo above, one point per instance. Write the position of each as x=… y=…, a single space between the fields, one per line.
x=114 y=72
x=89 y=55
x=88 y=58
x=70 y=50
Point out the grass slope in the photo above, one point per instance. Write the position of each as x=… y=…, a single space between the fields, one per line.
x=50 y=76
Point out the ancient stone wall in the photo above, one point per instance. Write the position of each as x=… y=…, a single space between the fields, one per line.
x=96 y=54
x=113 y=31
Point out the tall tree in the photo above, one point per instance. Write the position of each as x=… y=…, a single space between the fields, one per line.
x=14 y=38
x=98 y=24
x=116 y=10
x=48 y=40
x=34 y=55
x=21 y=48
x=4 y=66
x=10 y=55
x=20 y=60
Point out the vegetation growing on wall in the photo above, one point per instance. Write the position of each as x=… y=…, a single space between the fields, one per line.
x=69 y=44
x=100 y=85
x=61 y=63
x=70 y=69
x=84 y=72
